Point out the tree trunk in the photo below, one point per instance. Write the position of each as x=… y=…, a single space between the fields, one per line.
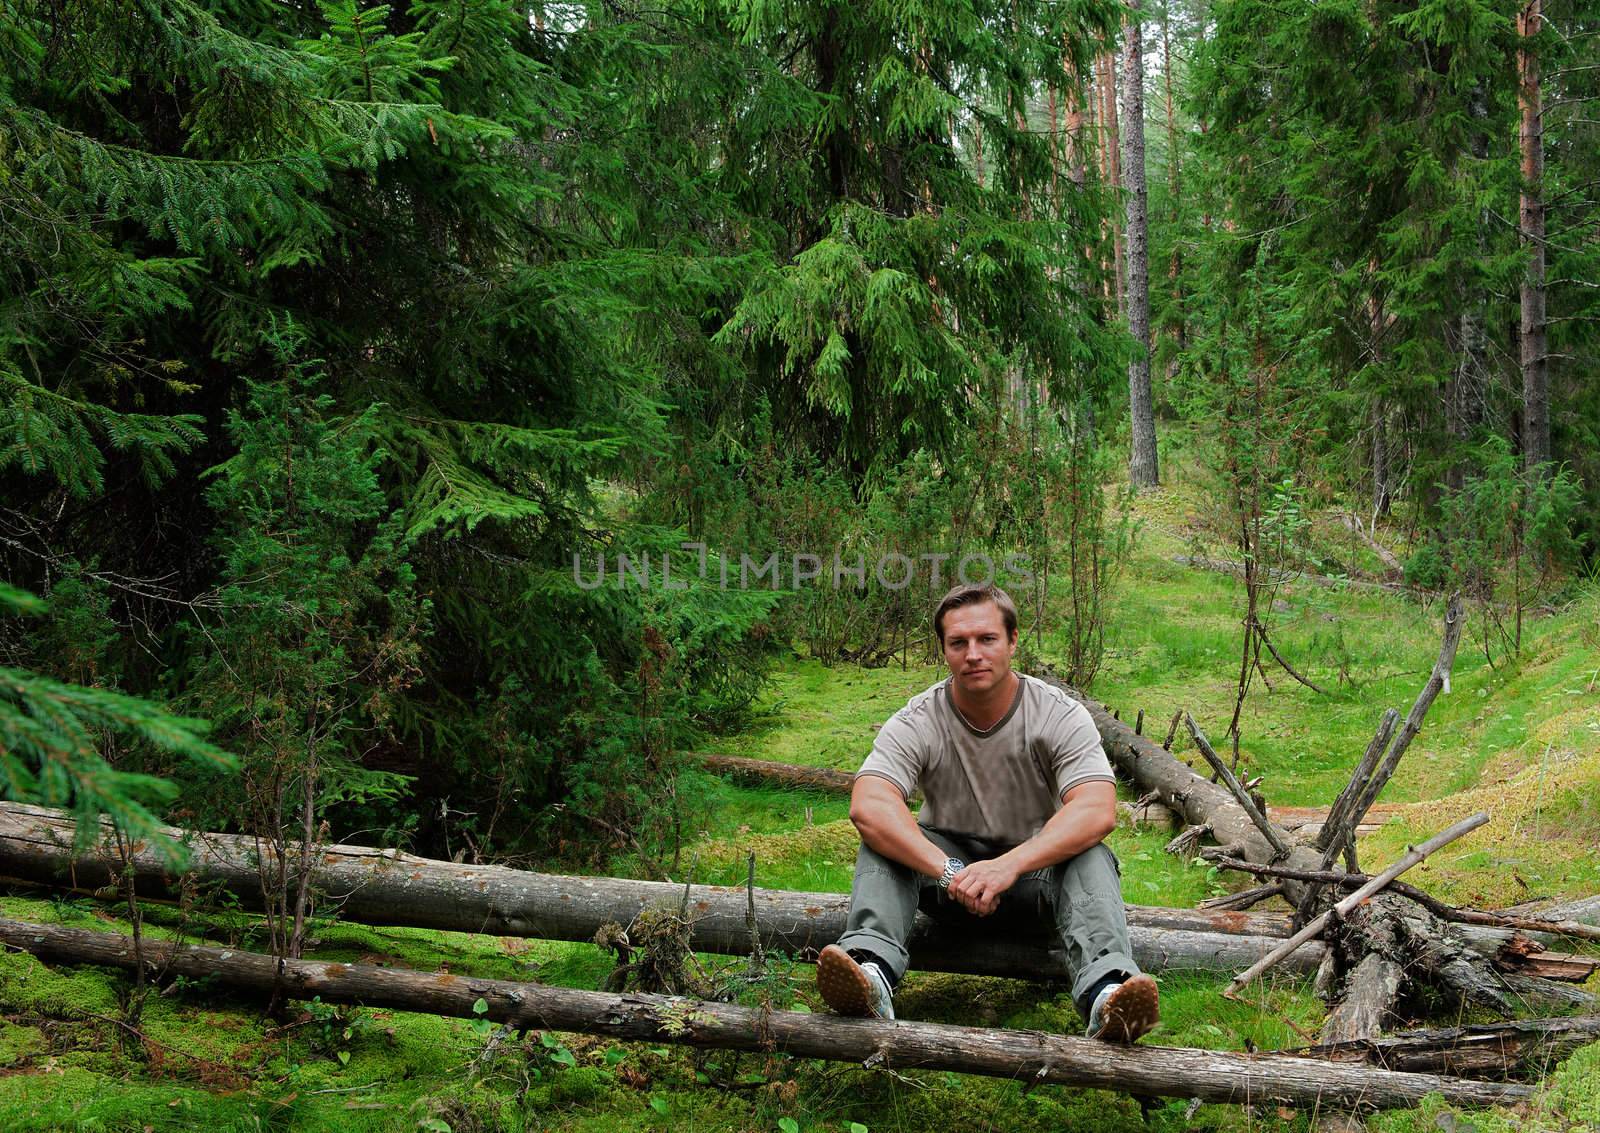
x=1382 y=463
x=1535 y=361
x=1143 y=471
x=1113 y=169
x=1467 y=393
x=1384 y=450
x=901 y=1045
x=1174 y=183
x=1485 y=1049
x=1368 y=1000
x=386 y=887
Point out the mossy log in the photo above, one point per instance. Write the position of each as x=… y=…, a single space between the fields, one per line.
x=387 y=887
x=1031 y=1056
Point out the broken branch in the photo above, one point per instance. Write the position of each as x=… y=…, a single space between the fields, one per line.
x=1411 y=858
x=1239 y=793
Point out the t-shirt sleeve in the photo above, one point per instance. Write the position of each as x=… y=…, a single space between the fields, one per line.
x=1078 y=755
x=898 y=754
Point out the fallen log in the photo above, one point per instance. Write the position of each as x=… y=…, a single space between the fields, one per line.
x=1536 y=960
x=1305 y=820
x=1585 y=910
x=387 y=887
x=1370 y=993
x=1194 y=798
x=900 y=1045
x=765 y=772
x=1345 y=904
x=1486 y=1049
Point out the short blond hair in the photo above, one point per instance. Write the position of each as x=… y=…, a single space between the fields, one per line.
x=971 y=594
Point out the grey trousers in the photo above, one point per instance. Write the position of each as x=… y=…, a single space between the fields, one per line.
x=1081 y=898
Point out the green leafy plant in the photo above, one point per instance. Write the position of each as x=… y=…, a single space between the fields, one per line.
x=334 y=1028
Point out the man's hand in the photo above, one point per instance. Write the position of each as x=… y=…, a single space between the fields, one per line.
x=980 y=886
x=1088 y=813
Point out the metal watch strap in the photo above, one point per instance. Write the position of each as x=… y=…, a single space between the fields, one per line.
x=952 y=866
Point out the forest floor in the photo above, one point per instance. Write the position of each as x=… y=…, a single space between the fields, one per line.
x=1519 y=738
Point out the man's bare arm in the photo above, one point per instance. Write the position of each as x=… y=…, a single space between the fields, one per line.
x=885 y=824
x=1088 y=813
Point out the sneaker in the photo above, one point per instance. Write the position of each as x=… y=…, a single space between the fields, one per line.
x=1125 y=1012
x=852 y=988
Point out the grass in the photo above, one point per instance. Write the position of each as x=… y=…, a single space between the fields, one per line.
x=1520 y=739
x=818 y=716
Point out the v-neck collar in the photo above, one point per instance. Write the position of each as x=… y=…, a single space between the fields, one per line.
x=984 y=733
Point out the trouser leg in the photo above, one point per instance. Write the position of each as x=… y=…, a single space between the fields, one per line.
x=883 y=904
x=1085 y=893
x=1081 y=897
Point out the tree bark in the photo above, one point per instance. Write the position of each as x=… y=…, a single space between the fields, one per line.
x=386 y=887
x=1369 y=998
x=1035 y=1056
x=1382 y=464
x=1486 y=1049
x=1143 y=470
x=1535 y=352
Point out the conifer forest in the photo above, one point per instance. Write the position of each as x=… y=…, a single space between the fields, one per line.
x=475 y=475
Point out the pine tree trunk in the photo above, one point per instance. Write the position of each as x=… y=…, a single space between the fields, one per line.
x=1077 y=97
x=1174 y=189
x=1113 y=151
x=1535 y=364
x=1143 y=471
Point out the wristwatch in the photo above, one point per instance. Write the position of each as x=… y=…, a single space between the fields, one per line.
x=952 y=866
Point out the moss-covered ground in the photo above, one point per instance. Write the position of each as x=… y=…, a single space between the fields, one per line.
x=1519 y=738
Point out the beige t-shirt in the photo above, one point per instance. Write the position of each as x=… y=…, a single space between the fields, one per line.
x=1002 y=784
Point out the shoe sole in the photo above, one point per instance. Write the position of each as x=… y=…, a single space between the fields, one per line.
x=843 y=984
x=1131 y=1012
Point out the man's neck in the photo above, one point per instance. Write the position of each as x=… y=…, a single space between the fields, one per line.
x=984 y=710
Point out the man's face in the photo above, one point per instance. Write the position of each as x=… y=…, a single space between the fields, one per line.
x=977 y=647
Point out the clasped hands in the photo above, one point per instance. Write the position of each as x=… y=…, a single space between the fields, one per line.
x=980 y=886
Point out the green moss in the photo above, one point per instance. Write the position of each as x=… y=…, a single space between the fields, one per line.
x=61 y=1099
x=29 y=986
x=18 y=1045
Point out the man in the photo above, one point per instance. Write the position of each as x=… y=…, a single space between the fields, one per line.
x=1018 y=798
